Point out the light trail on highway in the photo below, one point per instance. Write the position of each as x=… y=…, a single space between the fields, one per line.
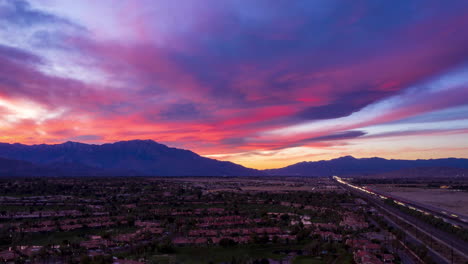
x=442 y=244
x=451 y=218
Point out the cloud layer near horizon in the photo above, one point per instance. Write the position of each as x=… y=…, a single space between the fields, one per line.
x=260 y=83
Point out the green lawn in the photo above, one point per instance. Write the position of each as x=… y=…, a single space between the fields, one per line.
x=73 y=236
x=345 y=259
x=307 y=260
x=204 y=255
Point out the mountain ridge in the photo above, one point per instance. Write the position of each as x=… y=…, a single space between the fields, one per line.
x=351 y=166
x=133 y=157
x=150 y=158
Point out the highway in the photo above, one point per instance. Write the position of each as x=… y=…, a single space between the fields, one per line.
x=457 y=220
x=440 y=238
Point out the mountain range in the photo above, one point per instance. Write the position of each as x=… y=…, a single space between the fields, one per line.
x=350 y=166
x=124 y=158
x=149 y=158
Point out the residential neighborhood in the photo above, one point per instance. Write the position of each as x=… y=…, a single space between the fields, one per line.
x=163 y=220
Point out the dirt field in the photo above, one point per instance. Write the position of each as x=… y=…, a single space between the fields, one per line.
x=261 y=184
x=455 y=201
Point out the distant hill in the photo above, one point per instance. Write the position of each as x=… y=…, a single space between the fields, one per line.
x=423 y=172
x=149 y=158
x=347 y=166
x=10 y=167
x=124 y=158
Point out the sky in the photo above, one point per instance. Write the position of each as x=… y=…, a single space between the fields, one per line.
x=258 y=82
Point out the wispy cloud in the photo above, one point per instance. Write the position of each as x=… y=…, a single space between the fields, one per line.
x=250 y=82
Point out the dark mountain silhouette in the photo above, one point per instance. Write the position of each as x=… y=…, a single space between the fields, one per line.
x=148 y=158
x=350 y=166
x=125 y=158
x=424 y=172
x=10 y=167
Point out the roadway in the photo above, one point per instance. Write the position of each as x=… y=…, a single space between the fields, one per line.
x=456 y=219
x=450 y=241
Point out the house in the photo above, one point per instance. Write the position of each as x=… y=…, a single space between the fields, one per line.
x=29 y=250
x=365 y=257
x=70 y=227
x=354 y=222
x=200 y=240
x=357 y=243
x=327 y=236
x=181 y=241
x=242 y=239
x=146 y=224
x=371 y=247
x=388 y=258
x=8 y=255
x=126 y=261
x=95 y=243
x=326 y=226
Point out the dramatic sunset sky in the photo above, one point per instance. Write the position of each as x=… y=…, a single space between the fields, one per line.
x=263 y=83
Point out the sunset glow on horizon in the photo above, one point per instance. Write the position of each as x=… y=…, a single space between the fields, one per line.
x=257 y=82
